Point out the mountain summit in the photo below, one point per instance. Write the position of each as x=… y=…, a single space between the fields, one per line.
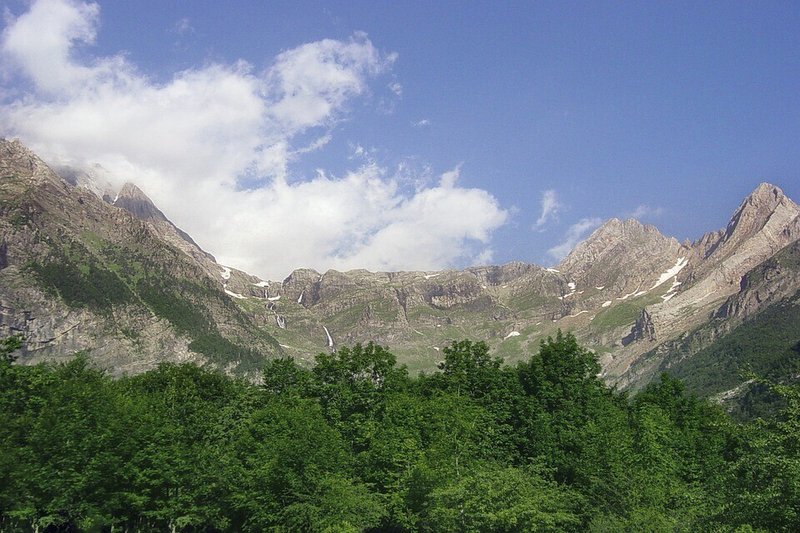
x=620 y=254
x=120 y=280
x=766 y=211
x=133 y=200
x=80 y=274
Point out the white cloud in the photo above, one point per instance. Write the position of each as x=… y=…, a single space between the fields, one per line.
x=213 y=147
x=645 y=211
x=574 y=235
x=421 y=123
x=40 y=42
x=396 y=88
x=484 y=258
x=550 y=208
x=310 y=83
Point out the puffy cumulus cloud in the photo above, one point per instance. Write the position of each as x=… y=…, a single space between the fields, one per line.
x=308 y=84
x=550 y=208
x=574 y=235
x=213 y=147
x=427 y=230
x=40 y=42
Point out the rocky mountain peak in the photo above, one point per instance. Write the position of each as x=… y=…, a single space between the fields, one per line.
x=17 y=160
x=626 y=228
x=758 y=207
x=95 y=179
x=615 y=238
x=765 y=193
x=765 y=211
x=620 y=254
x=132 y=199
x=302 y=275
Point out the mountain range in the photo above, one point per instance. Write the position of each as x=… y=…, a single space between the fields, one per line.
x=84 y=267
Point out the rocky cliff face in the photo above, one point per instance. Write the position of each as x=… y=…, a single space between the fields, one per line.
x=718 y=267
x=133 y=200
x=622 y=255
x=628 y=292
x=773 y=286
x=80 y=274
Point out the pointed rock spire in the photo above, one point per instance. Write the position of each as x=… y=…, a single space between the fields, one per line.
x=133 y=200
x=765 y=211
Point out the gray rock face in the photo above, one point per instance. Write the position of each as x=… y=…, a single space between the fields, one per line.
x=773 y=282
x=627 y=291
x=719 y=267
x=80 y=274
x=133 y=200
x=622 y=255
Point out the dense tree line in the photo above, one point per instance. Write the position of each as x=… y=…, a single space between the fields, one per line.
x=357 y=444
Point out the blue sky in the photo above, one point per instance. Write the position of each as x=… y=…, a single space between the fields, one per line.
x=477 y=132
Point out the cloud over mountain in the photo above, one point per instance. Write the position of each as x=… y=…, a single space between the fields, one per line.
x=213 y=147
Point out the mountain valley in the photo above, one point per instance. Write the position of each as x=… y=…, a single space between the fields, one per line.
x=82 y=268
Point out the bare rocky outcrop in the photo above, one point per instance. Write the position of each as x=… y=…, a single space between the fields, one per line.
x=622 y=255
x=80 y=274
x=633 y=294
x=643 y=329
x=732 y=275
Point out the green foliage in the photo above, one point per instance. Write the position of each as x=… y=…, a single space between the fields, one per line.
x=768 y=345
x=75 y=275
x=355 y=444
x=621 y=314
x=498 y=498
x=284 y=377
x=764 y=487
x=8 y=346
x=108 y=275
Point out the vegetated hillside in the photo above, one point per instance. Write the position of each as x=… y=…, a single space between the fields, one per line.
x=356 y=444
x=767 y=346
x=625 y=292
x=82 y=271
x=79 y=274
x=754 y=332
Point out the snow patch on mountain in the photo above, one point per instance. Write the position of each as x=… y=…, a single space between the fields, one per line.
x=671 y=272
x=566 y=295
x=672 y=290
x=633 y=294
x=234 y=294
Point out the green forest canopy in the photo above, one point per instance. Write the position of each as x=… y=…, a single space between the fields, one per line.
x=356 y=444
